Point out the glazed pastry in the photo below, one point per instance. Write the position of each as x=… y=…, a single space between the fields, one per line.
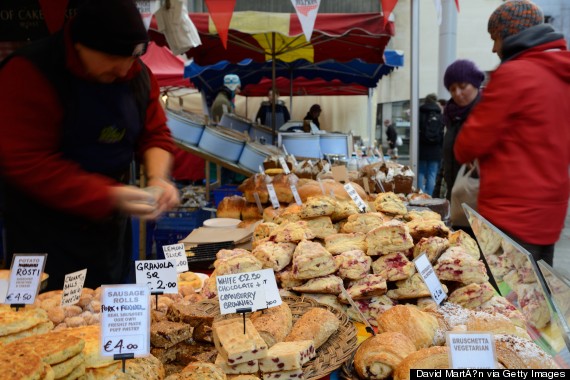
x=292 y=232
x=427 y=358
x=390 y=203
x=321 y=227
x=369 y=286
x=378 y=356
x=412 y=287
x=330 y=284
x=364 y=222
x=317 y=324
x=457 y=265
x=432 y=246
x=394 y=267
x=473 y=295
x=339 y=243
x=311 y=260
x=514 y=352
x=274 y=255
x=462 y=238
x=393 y=236
x=421 y=327
x=317 y=206
x=353 y=265
x=421 y=228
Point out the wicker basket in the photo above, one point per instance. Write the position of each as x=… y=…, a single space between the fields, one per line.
x=347 y=371
x=330 y=356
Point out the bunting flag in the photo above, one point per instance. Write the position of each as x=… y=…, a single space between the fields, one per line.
x=307 y=11
x=457 y=5
x=438 y=10
x=387 y=8
x=147 y=8
x=54 y=13
x=221 y=12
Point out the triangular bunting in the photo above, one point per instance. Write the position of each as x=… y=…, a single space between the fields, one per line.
x=387 y=8
x=221 y=13
x=307 y=11
x=54 y=13
x=457 y=5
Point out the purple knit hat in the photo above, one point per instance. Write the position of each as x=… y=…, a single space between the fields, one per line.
x=463 y=71
x=513 y=17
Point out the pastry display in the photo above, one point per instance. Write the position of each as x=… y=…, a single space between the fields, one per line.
x=394 y=267
x=426 y=358
x=312 y=260
x=316 y=325
x=390 y=203
x=324 y=285
x=344 y=242
x=364 y=223
x=353 y=264
x=392 y=236
x=432 y=246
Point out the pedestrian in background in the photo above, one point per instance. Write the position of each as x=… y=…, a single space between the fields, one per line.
x=431 y=140
x=520 y=131
x=225 y=99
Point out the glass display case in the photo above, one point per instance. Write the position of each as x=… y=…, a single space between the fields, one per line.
x=521 y=282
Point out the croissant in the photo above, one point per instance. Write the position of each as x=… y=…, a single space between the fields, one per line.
x=421 y=327
x=515 y=352
x=436 y=357
x=377 y=356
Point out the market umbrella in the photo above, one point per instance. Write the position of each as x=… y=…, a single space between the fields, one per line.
x=166 y=67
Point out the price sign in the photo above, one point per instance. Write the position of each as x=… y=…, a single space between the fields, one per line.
x=25 y=278
x=72 y=287
x=159 y=275
x=296 y=195
x=272 y=195
x=471 y=350
x=355 y=197
x=241 y=291
x=272 y=296
x=430 y=279
x=284 y=165
x=125 y=320
x=177 y=253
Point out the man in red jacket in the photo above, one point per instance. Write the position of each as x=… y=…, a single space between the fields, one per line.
x=520 y=131
x=77 y=107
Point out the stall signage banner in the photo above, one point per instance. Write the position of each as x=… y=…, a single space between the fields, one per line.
x=159 y=275
x=25 y=278
x=471 y=350
x=177 y=253
x=241 y=292
x=73 y=287
x=307 y=11
x=125 y=320
x=430 y=278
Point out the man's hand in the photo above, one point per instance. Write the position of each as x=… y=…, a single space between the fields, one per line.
x=133 y=201
x=168 y=196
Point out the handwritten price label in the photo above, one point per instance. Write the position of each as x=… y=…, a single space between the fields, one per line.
x=176 y=252
x=296 y=195
x=355 y=197
x=272 y=195
x=25 y=278
x=125 y=320
x=159 y=275
x=430 y=279
x=72 y=287
x=241 y=291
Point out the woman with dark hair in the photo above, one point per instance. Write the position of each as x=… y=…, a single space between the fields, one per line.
x=313 y=115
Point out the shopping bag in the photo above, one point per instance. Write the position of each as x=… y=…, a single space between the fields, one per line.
x=399 y=141
x=465 y=190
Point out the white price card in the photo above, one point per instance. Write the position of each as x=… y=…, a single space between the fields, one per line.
x=159 y=275
x=176 y=252
x=125 y=320
x=272 y=296
x=284 y=165
x=25 y=278
x=272 y=195
x=296 y=195
x=241 y=291
x=471 y=350
x=355 y=197
x=430 y=279
x=72 y=287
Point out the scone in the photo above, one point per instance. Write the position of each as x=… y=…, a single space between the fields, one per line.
x=273 y=324
x=413 y=287
x=390 y=203
x=421 y=228
x=393 y=236
x=237 y=264
x=321 y=226
x=364 y=222
x=263 y=230
x=326 y=299
x=339 y=243
x=274 y=255
x=227 y=253
x=463 y=239
x=393 y=267
x=312 y=260
x=343 y=209
x=371 y=308
x=422 y=214
x=500 y=305
x=292 y=232
x=330 y=284
x=317 y=206
x=353 y=265
x=457 y=265
x=290 y=213
x=533 y=304
x=286 y=278
x=369 y=286
x=473 y=295
x=432 y=246
x=317 y=324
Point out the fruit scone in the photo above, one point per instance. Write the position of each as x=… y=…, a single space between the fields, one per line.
x=489 y=240
x=462 y=238
x=241 y=263
x=422 y=214
x=533 y=304
x=390 y=203
x=371 y=308
x=353 y=264
x=500 y=305
x=457 y=265
x=343 y=242
x=321 y=226
x=392 y=236
x=292 y=232
x=473 y=295
x=290 y=213
x=274 y=255
x=369 y=286
x=364 y=222
x=394 y=266
x=321 y=205
x=326 y=299
x=432 y=246
x=330 y=284
x=410 y=288
x=344 y=209
x=317 y=324
x=420 y=228
x=312 y=260
x=263 y=230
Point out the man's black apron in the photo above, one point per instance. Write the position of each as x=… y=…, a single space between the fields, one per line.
x=102 y=123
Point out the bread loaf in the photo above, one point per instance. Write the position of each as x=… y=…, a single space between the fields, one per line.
x=317 y=324
x=231 y=207
x=273 y=324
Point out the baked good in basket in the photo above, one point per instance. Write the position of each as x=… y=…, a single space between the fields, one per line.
x=378 y=356
x=274 y=324
x=317 y=324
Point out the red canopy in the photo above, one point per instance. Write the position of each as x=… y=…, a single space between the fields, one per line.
x=166 y=67
x=303 y=86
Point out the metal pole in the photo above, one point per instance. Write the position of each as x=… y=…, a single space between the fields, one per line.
x=369 y=117
x=414 y=90
x=447 y=43
x=273 y=74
